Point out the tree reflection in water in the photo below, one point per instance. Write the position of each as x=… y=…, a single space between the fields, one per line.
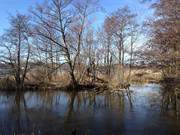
x=170 y=101
x=54 y=112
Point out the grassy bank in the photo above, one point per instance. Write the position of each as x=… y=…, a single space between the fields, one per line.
x=39 y=80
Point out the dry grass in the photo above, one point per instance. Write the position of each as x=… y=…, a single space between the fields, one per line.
x=146 y=76
x=62 y=79
x=137 y=76
x=40 y=76
x=7 y=83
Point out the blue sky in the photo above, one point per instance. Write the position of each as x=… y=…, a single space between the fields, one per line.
x=8 y=7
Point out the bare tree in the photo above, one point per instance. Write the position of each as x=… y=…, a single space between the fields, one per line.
x=108 y=29
x=67 y=20
x=164 y=32
x=17 y=47
x=133 y=33
x=118 y=27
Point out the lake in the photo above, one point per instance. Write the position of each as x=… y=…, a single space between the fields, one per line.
x=145 y=110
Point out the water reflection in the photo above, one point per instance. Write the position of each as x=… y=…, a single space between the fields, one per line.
x=139 y=111
x=169 y=101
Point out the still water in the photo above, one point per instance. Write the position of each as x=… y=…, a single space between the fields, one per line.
x=145 y=110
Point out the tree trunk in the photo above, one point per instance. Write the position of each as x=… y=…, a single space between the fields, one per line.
x=18 y=74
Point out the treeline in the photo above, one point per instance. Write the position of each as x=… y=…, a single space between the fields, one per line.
x=61 y=33
x=164 y=38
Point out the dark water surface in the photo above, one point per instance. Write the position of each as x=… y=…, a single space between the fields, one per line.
x=147 y=110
